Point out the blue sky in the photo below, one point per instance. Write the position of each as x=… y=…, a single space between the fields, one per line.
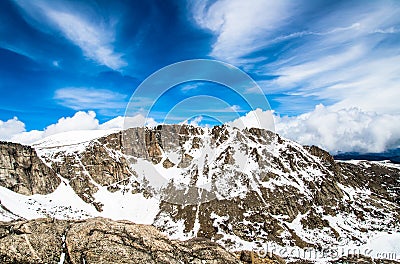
x=61 y=57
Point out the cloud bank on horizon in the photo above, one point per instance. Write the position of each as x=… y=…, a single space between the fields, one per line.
x=330 y=69
x=350 y=130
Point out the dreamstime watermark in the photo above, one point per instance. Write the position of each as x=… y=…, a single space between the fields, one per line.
x=163 y=89
x=332 y=252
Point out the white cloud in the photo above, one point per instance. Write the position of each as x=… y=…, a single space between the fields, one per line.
x=234 y=108
x=124 y=122
x=94 y=40
x=14 y=130
x=27 y=137
x=342 y=130
x=292 y=75
x=196 y=121
x=82 y=98
x=190 y=86
x=368 y=83
x=240 y=24
x=92 y=34
x=10 y=127
x=351 y=66
x=115 y=123
x=137 y=120
x=353 y=61
x=390 y=30
x=193 y=121
x=80 y=121
x=315 y=33
x=334 y=130
x=256 y=118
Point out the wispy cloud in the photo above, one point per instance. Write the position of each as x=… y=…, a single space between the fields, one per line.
x=315 y=33
x=93 y=35
x=239 y=25
x=293 y=75
x=347 y=56
x=190 y=86
x=95 y=41
x=390 y=30
x=82 y=98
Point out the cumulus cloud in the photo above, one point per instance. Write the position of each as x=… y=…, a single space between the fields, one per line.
x=256 y=118
x=14 y=130
x=27 y=137
x=342 y=130
x=80 y=121
x=10 y=127
x=345 y=130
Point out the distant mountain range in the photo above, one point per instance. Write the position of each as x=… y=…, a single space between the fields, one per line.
x=393 y=155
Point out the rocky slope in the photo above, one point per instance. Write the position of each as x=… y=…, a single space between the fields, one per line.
x=240 y=188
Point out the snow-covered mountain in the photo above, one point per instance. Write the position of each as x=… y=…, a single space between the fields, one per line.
x=243 y=188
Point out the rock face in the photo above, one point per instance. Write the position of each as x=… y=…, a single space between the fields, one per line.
x=100 y=240
x=23 y=172
x=265 y=189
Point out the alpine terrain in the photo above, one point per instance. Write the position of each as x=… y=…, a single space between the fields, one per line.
x=90 y=196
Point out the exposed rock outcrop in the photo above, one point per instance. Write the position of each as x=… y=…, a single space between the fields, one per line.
x=22 y=171
x=100 y=240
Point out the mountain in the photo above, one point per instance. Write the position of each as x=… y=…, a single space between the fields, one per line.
x=393 y=155
x=244 y=189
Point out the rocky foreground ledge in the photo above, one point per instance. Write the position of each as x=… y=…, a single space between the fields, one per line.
x=100 y=240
